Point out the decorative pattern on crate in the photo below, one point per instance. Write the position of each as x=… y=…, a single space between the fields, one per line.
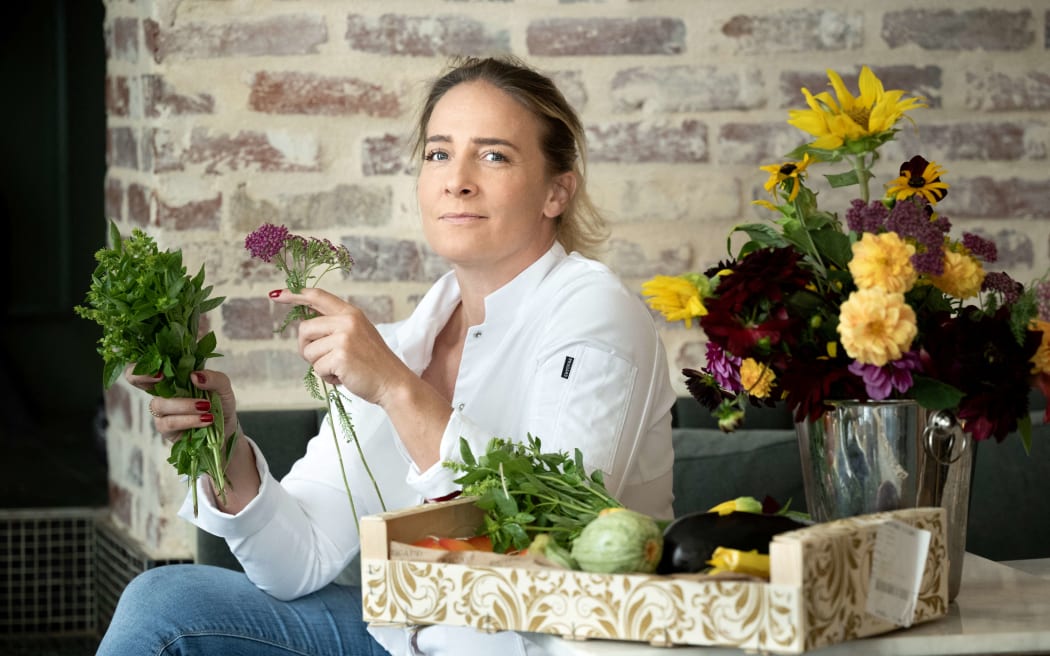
x=829 y=566
x=837 y=560
x=579 y=605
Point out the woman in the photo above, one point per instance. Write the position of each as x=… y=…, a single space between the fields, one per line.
x=524 y=335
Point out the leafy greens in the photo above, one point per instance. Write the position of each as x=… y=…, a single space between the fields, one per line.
x=149 y=309
x=525 y=492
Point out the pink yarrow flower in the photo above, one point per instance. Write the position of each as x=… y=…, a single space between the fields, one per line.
x=266 y=242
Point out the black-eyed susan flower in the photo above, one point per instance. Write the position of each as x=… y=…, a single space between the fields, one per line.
x=919 y=178
x=787 y=174
x=844 y=118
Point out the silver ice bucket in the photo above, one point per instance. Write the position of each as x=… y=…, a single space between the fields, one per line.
x=861 y=457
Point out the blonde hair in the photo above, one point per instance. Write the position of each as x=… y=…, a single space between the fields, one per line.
x=580 y=227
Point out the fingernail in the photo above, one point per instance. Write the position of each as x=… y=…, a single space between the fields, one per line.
x=158 y=375
x=202 y=405
x=275 y=293
x=199 y=378
x=207 y=418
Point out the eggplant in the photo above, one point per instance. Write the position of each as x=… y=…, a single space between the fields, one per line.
x=690 y=540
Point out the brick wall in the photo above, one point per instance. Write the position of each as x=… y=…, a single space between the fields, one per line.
x=224 y=115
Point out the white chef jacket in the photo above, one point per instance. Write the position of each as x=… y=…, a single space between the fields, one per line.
x=566 y=353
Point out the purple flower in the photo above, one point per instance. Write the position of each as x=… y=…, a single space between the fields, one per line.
x=997 y=281
x=866 y=218
x=724 y=368
x=1042 y=297
x=910 y=220
x=980 y=247
x=266 y=242
x=930 y=262
x=880 y=382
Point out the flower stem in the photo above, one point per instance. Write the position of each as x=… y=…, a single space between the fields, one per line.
x=860 y=167
x=339 y=455
x=344 y=417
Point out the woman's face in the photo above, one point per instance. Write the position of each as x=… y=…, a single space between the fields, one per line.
x=486 y=200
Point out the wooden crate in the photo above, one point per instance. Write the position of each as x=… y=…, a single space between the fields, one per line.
x=816 y=595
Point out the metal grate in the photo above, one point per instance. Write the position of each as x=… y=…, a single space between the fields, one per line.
x=62 y=571
x=47 y=572
x=117 y=562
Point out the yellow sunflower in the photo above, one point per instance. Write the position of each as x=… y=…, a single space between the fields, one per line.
x=787 y=173
x=676 y=297
x=845 y=118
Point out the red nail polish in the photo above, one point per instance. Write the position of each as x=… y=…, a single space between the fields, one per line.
x=202 y=405
x=275 y=293
x=207 y=418
x=199 y=378
x=158 y=375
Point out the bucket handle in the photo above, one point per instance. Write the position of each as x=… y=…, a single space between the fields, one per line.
x=942 y=425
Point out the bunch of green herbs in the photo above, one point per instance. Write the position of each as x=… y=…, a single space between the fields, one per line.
x=526 y=492
x=149 y=309
x=304 y=261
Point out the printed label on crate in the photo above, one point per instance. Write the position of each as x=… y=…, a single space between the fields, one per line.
x=896 y=571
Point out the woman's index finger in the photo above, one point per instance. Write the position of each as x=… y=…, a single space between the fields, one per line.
x=318 y=300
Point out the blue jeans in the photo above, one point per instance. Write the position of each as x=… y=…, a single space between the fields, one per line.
x=200 y=609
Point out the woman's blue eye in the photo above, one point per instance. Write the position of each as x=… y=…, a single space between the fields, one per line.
x=494 y=156
x=436 y=156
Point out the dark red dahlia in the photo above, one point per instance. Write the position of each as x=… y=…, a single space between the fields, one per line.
x=979 y=355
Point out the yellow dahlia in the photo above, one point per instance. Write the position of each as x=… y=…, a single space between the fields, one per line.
x=756 y=378
x=876 y=326
x=1041 y=359
x=675 y=297
x=883 y=261
x=787 y=172
x=836 y=121
x=962 y=276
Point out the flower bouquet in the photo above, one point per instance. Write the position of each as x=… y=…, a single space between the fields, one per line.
x=886 y=306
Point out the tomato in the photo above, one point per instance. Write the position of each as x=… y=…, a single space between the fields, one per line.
x=429 y=542
x=456 y=544
x=476 y=543
x=481 y=542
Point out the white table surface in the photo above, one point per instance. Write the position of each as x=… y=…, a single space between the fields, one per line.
x=1002 y=608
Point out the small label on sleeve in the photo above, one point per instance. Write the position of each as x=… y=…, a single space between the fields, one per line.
x=896 y=571
x=566 y=366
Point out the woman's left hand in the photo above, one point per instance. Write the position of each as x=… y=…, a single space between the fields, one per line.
x=343 y=346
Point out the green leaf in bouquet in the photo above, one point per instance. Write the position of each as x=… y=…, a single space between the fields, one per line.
x=934 y=394
x=760 y=235
x=839 y=180
x=834 y=246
